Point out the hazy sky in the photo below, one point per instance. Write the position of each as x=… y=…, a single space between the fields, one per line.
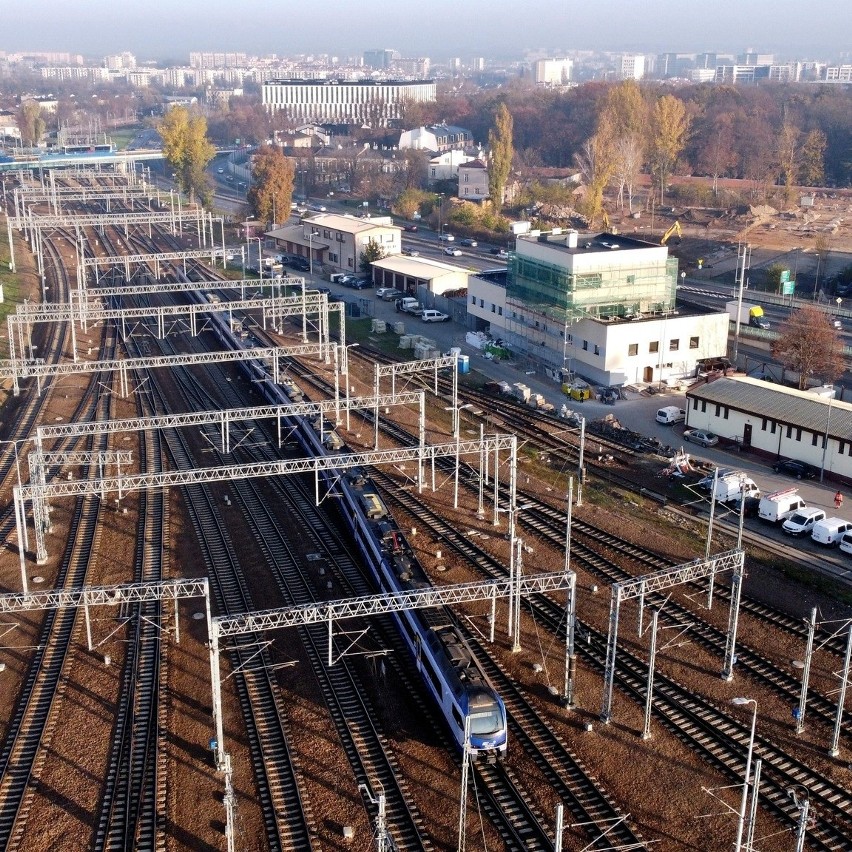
x=154 y=29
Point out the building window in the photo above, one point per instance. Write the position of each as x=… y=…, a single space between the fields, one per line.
x=477 y=191
x=332 y=258
x=725 y=412
x=693 y=343
x=654 y=346
x=349 y=262
x=798 y=434
x=841 y=447
x=633 y=349
x=597 y=349
x=433 y=172
x=674 y=345
x=789 y=432
x=694 y=404
x=570 y=338
x=466 y=178
x=631 y=279
x=763 y=424
x=493 y=309
x=703 y=406
x=718 y=409
x=465 y=190
x=500 y=312
x=774 y=425
x=482 y=303
x=473 y=301
x=814 y=439
x=585 y=346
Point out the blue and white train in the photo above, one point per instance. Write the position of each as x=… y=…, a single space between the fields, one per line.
x=450 y=669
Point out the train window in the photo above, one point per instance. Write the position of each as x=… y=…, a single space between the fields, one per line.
x=457 y=717
x=485 y=723
x=433 y=677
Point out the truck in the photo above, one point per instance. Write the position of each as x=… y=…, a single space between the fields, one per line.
x=778 y=506
x=734 y=486
x=408 y=305
x=749 y=314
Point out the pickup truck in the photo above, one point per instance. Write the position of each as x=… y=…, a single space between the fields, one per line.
x=408 y=305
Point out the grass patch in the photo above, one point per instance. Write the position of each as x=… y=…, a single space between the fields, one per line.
x=122 y=138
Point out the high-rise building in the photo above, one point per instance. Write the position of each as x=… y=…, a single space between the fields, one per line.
x=553 y=72
x=380 y=58
x=372 y=102
x=632 y=67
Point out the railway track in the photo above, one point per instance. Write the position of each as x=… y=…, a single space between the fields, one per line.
x=132 y=809
x=716 y=736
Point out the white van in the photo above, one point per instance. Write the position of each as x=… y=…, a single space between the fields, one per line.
x=735 y=486
x=671 y=414
x=846 y=542
x=802 y=521
x=830 y=531
x=778 y=506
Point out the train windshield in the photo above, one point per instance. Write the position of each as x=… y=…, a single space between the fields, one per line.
x=483 y=724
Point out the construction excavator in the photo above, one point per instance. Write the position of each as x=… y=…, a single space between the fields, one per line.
x=675 y=229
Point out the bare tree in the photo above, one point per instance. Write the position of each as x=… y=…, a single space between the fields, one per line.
x=810 y=346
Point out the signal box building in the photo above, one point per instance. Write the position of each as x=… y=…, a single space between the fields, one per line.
x=776 y=421
x=602 y=306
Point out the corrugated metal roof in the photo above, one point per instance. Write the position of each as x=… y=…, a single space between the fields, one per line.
x=417 y=267
x=785 y=405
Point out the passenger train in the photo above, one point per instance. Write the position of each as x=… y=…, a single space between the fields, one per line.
x=449 y=668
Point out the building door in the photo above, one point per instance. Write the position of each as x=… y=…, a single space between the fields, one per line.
x=747 y=436
x=648 y=374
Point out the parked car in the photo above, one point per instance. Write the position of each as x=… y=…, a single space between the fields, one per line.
x=454 y=252
x=447 y=238
x=467 y=241
x=360 y=284
x=801 y=470
x=300 y=263
x=430 y=315
x=701 y=436
x=389 y=294
x=409 y=252
x=409 y=227
x=802 y=522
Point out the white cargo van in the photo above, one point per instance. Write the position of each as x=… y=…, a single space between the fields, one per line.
x=830 y=530
x=671 y=414
x=778 y=506
x=734 y=486
x=846 y=542
x=802 y=521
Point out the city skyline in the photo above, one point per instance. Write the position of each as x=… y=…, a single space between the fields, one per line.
x=156 y=31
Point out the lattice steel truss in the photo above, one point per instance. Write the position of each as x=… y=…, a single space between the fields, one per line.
x=690 y=572
x=125 y=593
x=272 y=309
x=19 y=369
x=38 y=494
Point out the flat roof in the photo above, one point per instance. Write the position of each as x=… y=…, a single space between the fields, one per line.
x=586 y=243
x=347 y=223
x=417 y=267
x=797 y=408
x=322 y=81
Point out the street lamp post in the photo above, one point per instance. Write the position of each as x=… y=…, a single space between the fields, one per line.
x=825 y=438
x=744 y=798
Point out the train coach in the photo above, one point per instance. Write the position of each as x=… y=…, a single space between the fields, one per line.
x=449 y=668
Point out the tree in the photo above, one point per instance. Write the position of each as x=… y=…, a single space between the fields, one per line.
x=717 y=155
x=812 y=166
x=669 y=130
x=271 y=190
x=625 y=119
x=810 y=346
x=596 y=163
x=187 y=150
x=372 y=252
x=501 y=145
x=788 y=157
x=30 y=123
x=409 y=202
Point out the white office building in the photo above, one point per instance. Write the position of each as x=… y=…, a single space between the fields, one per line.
x=370 y=102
